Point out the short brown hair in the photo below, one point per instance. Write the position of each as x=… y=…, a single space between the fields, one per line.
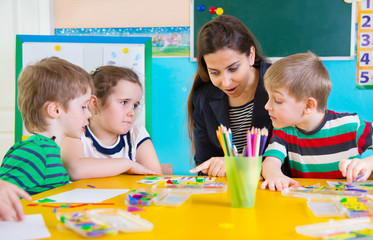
x=304 y=75
x=107 y=77
x=49 y=80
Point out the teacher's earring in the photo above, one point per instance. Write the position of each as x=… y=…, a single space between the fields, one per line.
x=251 y=67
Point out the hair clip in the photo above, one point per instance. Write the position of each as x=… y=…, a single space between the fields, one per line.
x=92 y=73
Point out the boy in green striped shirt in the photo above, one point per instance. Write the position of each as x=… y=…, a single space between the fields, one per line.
x=53 y=95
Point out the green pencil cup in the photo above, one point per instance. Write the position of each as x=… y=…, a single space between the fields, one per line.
x=243 y=175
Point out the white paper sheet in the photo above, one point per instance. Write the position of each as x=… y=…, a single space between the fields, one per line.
x=35 y=51
x=82 y=195
x=33 y=227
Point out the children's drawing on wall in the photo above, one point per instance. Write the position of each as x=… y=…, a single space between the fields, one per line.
x=166 y=41
x=125 y=56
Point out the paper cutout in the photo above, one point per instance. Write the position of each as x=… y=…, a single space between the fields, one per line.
x=140 y=198
x=80 y=195
x=134 y=209
x=45 y=200
x=33 y=227
x=368 y=185
x=176 y=180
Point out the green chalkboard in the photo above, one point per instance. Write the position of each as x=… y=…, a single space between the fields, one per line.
x=285 y=27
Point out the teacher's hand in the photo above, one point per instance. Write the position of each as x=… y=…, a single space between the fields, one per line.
x=215 y=167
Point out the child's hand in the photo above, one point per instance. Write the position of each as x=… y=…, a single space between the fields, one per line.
x=215 y=167
x=352 y=168
x=274 y=178
x=10 y=205
x=278 y=183
x=137 y=168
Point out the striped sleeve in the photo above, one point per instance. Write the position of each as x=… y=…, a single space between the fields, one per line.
x=364 y=136
x=277 y=146
x=24 y=166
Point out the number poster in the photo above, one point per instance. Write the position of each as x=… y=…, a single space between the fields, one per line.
x=365 y=45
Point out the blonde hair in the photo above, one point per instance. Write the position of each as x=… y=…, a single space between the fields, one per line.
x=303 y=75
x=49 y=80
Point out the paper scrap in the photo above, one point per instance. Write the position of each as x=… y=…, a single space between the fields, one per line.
x=83 y=195
x=153 y=180
x=32 y=227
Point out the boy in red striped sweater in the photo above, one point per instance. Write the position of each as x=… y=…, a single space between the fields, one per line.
x=309 y=138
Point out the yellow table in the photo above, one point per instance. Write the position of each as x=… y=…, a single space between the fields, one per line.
x=203 y=216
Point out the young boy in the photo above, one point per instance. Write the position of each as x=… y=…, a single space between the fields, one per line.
x=53 y=95
x=314 y=140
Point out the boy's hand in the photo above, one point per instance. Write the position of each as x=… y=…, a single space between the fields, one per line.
x=278 y=183
x=137 y=168
x=274 y=178
x=215 y=167
x=352 y=168
x=10 y=205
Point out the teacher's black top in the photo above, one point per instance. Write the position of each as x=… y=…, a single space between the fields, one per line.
x=211 y=108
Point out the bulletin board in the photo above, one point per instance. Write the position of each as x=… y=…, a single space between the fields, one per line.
x=89 y=52
x=325 y=27
x=365 y=45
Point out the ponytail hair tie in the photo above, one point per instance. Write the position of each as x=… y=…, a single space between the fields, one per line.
x=92 y=73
